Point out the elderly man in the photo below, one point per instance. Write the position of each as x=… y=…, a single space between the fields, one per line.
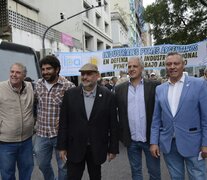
x=88 y=126
x=16 y=125
x=135 y=100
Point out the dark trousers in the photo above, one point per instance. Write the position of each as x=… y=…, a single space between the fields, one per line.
x=75 y=170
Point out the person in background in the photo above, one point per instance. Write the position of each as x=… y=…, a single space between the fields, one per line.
x=101 y=82
x=16 y=125
x=179 y=126
x=88 y=128
x=113 y=80
x=49 y=92
x=123 y=77
x=135 y=101
x=153 y=76
x=29 y=79
x=205 y=73
x=108 y=85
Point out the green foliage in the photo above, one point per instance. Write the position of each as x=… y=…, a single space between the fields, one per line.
x=177 y=21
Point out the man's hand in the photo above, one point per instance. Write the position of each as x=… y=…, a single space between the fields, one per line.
x=63 y=155
x=111 y=156
x=204 y=151
x=155 y=151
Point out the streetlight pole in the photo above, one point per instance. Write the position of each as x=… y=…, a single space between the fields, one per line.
x=59 y=22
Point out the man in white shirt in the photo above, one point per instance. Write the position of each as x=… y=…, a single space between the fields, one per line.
x=179 y=126
x=135 y=101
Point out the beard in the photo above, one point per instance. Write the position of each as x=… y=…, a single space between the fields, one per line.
x=49 y=78
x=88 y=85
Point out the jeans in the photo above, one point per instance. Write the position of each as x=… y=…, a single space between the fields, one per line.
x=176 y=165
x=19 y=153
x=43 y=150
x=135 y=159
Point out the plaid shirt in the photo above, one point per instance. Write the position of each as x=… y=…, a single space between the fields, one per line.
x=48 y=106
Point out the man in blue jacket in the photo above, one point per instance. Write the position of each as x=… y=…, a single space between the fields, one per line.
x=179 y=126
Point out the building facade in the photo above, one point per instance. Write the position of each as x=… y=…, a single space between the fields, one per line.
x=117 y=23
x=126 y=19
x=24 y=22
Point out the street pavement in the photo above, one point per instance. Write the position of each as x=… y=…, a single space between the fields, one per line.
x=117 y=169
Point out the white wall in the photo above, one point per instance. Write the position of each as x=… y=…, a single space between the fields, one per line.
x=119 y=34
x=49 y=13
x=34 y=41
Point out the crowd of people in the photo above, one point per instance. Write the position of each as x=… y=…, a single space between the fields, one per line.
x=84 y=124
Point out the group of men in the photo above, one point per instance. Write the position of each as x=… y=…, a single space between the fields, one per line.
x=83 y=126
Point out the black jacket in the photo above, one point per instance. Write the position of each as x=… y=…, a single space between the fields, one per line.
x=100 y=130
x=121 y=94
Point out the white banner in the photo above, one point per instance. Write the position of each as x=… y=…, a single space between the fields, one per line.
x=116 y=59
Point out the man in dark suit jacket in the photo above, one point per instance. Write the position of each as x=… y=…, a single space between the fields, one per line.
x=88 y=127
x=135 y=100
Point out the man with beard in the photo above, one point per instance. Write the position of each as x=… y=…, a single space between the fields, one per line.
x=49 y=93
x=88 y=126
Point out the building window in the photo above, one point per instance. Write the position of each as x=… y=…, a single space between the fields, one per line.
x=108 y=47
x=86 y=6
x=100 y=45
x=88 y=42
x=98 y=20
x=106 y=6
x=106 y=28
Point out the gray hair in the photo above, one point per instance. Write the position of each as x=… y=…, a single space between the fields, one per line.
x=175 y=54
x=24 y=69
x=140 y=61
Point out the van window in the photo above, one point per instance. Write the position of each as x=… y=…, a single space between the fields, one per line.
x=11 y=53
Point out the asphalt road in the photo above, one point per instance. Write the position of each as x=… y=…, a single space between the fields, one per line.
x=118 y=169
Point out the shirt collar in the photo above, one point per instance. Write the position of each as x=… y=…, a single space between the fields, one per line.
x=182 y=79
x=20 y=90
x=141 y=82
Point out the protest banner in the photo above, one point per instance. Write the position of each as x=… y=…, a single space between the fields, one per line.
x=116 y=59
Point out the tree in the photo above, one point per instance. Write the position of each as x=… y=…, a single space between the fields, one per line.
x=177 y=21
x=204 y=2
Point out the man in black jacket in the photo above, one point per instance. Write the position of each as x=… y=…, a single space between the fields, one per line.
x=88 y=126
x=135 y=100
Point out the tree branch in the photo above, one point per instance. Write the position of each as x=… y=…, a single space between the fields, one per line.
x=204 y=2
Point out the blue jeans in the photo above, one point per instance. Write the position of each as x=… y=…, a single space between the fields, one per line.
x=176 y=165
x=135 y=159
x=19 y=153
x=43 y=149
